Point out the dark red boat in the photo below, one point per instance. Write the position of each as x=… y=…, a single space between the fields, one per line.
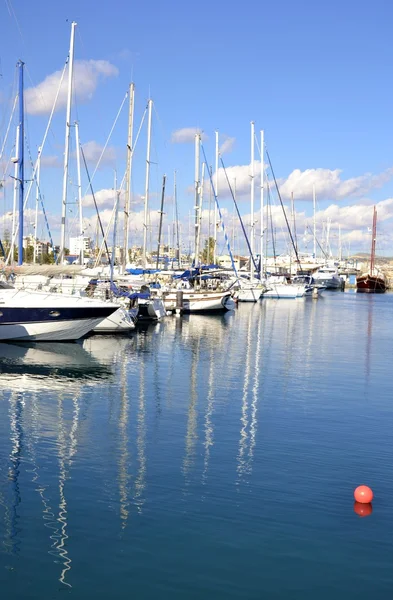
x=372 y=283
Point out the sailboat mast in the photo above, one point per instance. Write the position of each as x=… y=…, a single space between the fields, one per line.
x=252 y=195
x=161 y=217
x=261 y=259
x=67 y=143
x=340 y=249
x=16 y=170
x=215 y=203
x=373 y=242
x=127 y=203
x=78 y=167
x=21 y=141
x=146 y=199
x=177 y=220
x=199 y=213
x=197 y=193
x=37 y=198
x=314 y=221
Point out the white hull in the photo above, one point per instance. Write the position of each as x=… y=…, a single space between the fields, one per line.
x=57 y=331
x=279 y=290
x=248 y=294
x=39 y=316
x=117 y=322
x=200 y=301
x=153 y=309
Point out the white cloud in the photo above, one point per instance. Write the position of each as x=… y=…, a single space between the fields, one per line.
x=227 y=145
x=186 y=135
x=92 y=151
x=105 y=198
x=50 y=161
x=329 y=184
x=87 y=74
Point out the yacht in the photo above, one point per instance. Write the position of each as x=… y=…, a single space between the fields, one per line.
x=329 y=278
x=42 y=316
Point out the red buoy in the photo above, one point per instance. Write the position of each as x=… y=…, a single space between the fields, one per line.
x=363 y=510
x=363 y=494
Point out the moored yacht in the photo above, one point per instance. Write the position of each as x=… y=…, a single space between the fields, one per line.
x=41 y=316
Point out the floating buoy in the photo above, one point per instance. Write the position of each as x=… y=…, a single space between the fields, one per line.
x=363 y=494
x=363 y=510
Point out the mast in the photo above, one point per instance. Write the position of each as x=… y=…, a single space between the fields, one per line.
x=116 y=209
x=199 y=216
x=293 y=219
x=215 y=203
x=21 y=140
x=146 y=200
x=340 y=250
x=373 y=242
x=252 y=175
x=261 y=256
x=67 y=143
x=196 y=186
x=78 y=166
x=161 y=216
x=314 y=221
x=16 y=170
x=127 y=202
x=177 y=220
x=37 y=198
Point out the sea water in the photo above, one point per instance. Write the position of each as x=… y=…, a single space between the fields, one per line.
x=204 y=457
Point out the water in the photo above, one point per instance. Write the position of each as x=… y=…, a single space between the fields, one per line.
x=205 y=457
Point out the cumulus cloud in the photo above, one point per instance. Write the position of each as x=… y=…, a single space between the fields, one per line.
x=329 y=184
x=105 y=198
x=93 y=150
x=87 y=75
x=227 y=144
x=186 y=135
x=50 y=161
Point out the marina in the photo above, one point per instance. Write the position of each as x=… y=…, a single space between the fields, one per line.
x=196 y=301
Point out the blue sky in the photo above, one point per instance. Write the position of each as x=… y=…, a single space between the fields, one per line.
x=314 y=76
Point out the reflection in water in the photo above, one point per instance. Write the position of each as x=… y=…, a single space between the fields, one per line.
x=27 y=366
x=140 y=481
x=369 y=335
x=192 y=413
x=15 y=412
x=124 y=456
x=243 y=442
x=209 y=433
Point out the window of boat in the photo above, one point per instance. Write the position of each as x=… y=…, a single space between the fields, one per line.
x=5 y=286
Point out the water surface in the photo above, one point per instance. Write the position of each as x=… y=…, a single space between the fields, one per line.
x=206 y=457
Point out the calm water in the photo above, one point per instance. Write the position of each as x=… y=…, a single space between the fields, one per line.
x=203 y=458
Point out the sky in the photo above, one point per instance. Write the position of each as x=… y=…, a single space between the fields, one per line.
x=315 y=77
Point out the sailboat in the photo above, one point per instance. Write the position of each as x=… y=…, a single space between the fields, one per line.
x=372 y=282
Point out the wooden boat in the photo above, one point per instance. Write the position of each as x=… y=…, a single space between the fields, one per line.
x=372 y=282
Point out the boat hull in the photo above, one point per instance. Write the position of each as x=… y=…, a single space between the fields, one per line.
x=118 y=322
x=48 y=331
x=194 y=302
x=370 y=284
x=39 y=316
x=248 y=294
x=151 y=310
x=285 y=291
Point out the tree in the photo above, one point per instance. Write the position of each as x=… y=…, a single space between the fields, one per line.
x=28 y=254
x=208 y=251
x=48 y=259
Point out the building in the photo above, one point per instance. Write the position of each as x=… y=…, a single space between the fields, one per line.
x=75 y=245
x=41 y=247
